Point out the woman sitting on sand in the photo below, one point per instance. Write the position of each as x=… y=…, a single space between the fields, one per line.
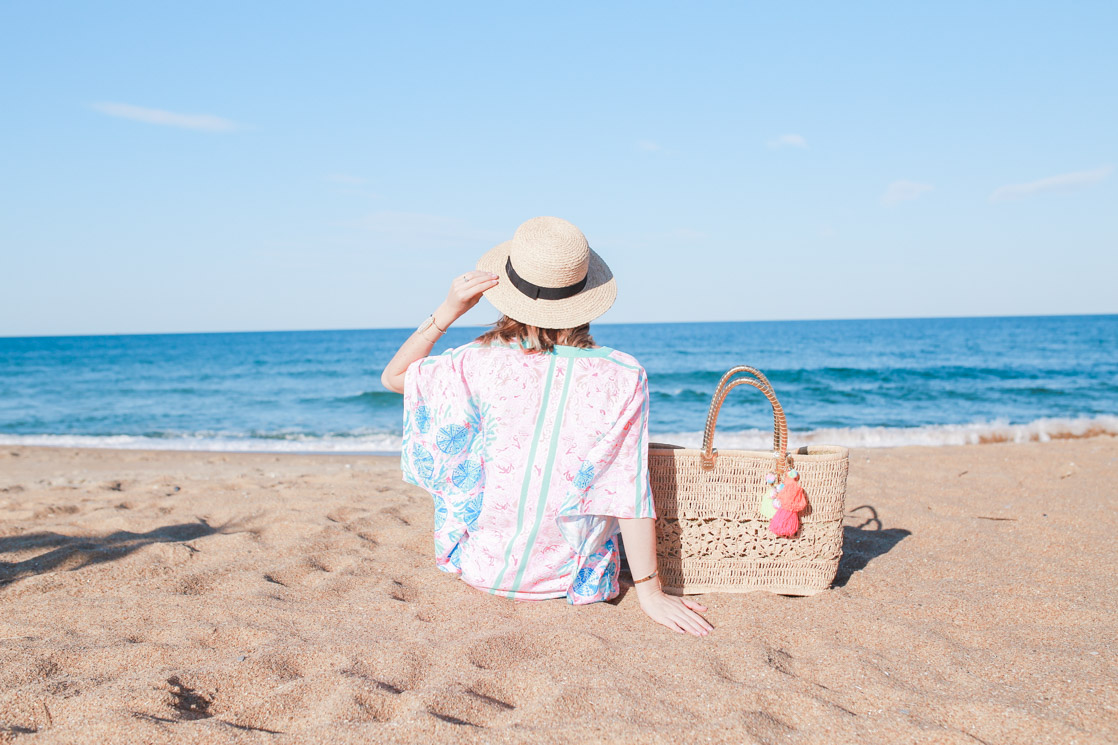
x=532 y=440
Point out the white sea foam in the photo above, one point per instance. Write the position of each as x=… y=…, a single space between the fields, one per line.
x=378 y=444
x=1040 y=430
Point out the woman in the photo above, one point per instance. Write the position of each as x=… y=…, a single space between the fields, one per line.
x=532 y=440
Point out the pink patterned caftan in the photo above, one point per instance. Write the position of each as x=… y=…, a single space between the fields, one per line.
x=530 y=458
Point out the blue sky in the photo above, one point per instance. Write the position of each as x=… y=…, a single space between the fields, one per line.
x=252 y=166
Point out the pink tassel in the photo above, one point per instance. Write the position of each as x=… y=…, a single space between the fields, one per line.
x=785 y=523
x=792 y=497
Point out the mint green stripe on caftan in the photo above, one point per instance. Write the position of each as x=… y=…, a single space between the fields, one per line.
x=540 y=416
x=638 y=509
x=541 y=503
x=623 y=364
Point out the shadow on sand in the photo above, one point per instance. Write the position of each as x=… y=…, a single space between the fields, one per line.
x=865 y=542
x=861 y=544
x=76 y=552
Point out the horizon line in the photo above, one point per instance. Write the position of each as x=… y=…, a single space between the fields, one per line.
x=622 y=323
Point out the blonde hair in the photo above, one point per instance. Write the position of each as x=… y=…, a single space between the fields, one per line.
x=534 y=338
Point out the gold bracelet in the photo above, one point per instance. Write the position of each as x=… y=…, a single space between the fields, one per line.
x=651 y=576
x=436 y=324
x=428 y=323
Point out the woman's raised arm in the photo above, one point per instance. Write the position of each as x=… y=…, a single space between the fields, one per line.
x=465 y=292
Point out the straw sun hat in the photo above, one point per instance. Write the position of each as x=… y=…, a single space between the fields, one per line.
x=549 y=276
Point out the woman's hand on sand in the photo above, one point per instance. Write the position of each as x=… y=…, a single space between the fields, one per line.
x=678 y=614
x=465 y=292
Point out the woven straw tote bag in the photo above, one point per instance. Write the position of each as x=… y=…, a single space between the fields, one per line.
x=714 y=509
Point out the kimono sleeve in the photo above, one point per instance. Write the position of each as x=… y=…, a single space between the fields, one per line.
x=441 y=450
x=614 y=476
x=612 y=481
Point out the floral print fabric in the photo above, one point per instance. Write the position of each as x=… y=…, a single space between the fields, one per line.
x=530 y=459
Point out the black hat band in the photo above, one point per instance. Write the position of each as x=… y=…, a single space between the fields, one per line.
x=537 y=292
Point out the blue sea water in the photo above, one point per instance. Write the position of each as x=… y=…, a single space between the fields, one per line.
x=857 y=382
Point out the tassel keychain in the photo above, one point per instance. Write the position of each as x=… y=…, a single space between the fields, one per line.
x=789 y=500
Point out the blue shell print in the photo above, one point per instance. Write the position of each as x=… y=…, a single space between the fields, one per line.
x=584 y=476
x=422 y=461
x=440 y=513
x=466 y=474
x=452 y=438
x=422 y=419
x=471 y=510
x=584 y=583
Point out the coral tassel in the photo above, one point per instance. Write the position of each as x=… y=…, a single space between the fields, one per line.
x=785 y=523
x=792 y=496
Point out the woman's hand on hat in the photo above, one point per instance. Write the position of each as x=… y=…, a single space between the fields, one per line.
x=465 y=292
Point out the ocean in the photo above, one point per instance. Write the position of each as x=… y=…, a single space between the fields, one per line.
x=856 y=383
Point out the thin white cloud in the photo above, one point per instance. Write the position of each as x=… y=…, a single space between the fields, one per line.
x=648 y=146
x=788 y=140
x=904 y=191
x=203 y=122
x=1063 y=182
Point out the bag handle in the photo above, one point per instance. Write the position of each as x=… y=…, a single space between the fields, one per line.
x=708 y=453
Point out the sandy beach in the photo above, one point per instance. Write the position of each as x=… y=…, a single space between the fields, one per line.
x=218 y=597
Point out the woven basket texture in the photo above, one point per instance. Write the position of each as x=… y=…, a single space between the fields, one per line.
x=713 y=537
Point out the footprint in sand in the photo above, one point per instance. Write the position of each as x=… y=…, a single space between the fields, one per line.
x=188 y=703
x=198 y=584
x=476 y=706
x=380 y=688
x=739 y=668
x=376 y=707
x=377 y=700
x=779 y=660
x=766 y=727
x=305 y=572
x=282 y=666
x=394 y=513
x=355 y=522
x=496 y=651
x=56 y=509
x=343 y=515
x=320 y=563
x=402 y=592
x=368 y=537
